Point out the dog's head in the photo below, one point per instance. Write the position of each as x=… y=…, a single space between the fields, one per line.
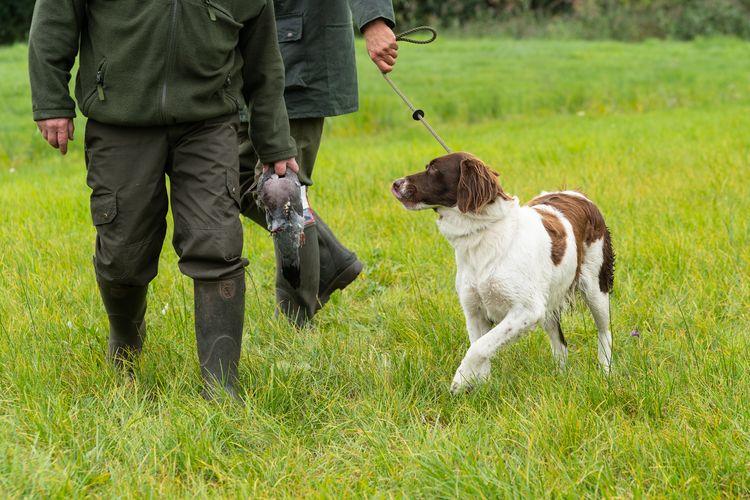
x=457 y=180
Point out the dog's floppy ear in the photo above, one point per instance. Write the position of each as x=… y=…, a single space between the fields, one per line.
x=478 y=186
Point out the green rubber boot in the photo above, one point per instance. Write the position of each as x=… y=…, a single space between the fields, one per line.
x=126 y=309
x=339 y=266
x=219 y=316
x=300 y=304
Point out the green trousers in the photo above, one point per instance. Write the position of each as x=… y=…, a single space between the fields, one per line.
x=126 y=171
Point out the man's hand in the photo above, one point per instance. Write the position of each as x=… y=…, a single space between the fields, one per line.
x=57 y=131
x=381 y=44
x=279 y=167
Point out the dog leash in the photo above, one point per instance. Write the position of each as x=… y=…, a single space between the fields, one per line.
x=417 y=114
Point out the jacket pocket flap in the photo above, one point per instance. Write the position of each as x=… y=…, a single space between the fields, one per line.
x=289 y=28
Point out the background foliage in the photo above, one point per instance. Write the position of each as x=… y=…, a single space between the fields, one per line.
x=616 y=19
x=600 y=19
x=15 y=18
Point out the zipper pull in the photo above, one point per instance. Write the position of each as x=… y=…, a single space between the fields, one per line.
x=100 y=84
x=210 y=9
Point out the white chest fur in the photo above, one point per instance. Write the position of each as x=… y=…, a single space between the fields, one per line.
x=503 y=261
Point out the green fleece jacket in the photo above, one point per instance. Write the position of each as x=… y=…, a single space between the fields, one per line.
x=161 y=62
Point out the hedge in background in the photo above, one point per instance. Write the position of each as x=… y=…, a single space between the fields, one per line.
x=600 y=19
x=15 y=19
x=617 y=19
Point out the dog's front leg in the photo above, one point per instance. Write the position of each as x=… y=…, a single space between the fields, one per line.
x=475 y=367
x=477 y=323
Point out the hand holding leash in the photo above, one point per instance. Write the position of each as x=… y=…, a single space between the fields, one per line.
x=381 y=44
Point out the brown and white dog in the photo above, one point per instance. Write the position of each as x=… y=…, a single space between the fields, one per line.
x=517 y=266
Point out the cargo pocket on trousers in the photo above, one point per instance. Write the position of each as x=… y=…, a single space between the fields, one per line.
x=103 y=208
x=109 y=255
x=233 y=186
x=232 y=237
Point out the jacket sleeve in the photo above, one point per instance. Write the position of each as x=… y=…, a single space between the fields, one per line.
x=263 y=75
x=369 y=10
x=53 y=44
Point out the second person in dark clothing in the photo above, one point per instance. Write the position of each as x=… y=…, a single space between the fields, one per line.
x=316 y=38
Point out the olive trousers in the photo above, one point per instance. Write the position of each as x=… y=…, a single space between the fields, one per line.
x=126 y=171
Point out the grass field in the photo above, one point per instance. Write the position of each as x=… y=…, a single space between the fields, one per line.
x=657 y=133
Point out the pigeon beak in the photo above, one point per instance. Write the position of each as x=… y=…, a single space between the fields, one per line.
x=276 y=226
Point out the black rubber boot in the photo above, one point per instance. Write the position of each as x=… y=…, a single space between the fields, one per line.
x=339 y=266
x=126 y=309
x=219 y=316
x=301 y=303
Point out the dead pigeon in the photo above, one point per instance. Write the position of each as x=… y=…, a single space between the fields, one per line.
x=281 y=199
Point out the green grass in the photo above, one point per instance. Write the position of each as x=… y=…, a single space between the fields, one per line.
x=657 y=133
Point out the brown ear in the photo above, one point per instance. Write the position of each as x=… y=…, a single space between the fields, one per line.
x=477 y=186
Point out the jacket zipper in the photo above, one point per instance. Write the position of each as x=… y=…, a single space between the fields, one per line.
x=227 y=93
x=211 y=10
x=100 y=80
x=168 y=61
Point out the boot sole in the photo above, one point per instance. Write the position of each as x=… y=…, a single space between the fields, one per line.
x=341 y=281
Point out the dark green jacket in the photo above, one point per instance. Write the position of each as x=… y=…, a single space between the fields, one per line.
x=160 y=62
x=317 y=44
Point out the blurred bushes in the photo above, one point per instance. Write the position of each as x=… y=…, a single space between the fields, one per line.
x=615 y=19
x=15 y=19
x=600 y=19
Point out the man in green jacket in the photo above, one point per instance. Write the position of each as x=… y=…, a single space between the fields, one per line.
x=162 y=84
x=317 y=45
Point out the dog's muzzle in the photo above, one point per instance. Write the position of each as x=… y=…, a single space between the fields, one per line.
x=402 y=190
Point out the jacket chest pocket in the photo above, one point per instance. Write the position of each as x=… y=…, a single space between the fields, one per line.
x=211 y=34
x=289 y=33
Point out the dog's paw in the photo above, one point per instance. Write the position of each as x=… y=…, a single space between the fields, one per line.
x=469 y=375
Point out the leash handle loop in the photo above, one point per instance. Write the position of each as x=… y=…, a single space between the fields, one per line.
x=403 y=37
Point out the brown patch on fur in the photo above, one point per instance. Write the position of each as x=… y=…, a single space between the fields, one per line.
x=556 y=232
x=477 y=186
x=588 y=227
x=607 y=272
x=452 y=180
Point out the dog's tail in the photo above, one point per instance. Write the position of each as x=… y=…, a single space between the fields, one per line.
x=607 y=271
